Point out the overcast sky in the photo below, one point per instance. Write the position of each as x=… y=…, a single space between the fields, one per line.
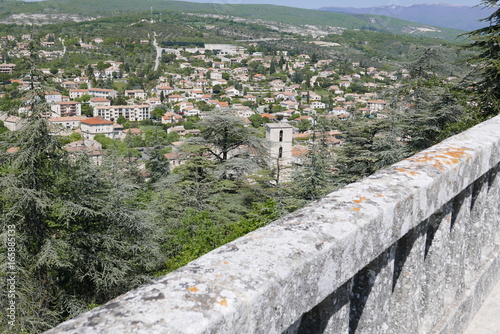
x=313 y=4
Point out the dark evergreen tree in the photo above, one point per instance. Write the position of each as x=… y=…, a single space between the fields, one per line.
x=157 y=165
x=79 y=235
x=80 y=239
x=236 y=148
x=313 y=179
x=486 y=40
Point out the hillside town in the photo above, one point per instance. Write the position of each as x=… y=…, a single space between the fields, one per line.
x=138 y=137
x=257 y=87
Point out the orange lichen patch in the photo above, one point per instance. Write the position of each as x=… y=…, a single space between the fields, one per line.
x=412 y=173
x=225 y=262
x=256 y=237
x=193 y=289
x=218 y=276
x=438 y=166
x=356 y=209
x=447 y=156
x=380 y=195
x=360 y=200
x=223 y=303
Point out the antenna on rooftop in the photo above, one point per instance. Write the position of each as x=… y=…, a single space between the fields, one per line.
x=151 y=19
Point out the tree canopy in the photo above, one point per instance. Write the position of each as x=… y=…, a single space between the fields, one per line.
x=487 y=41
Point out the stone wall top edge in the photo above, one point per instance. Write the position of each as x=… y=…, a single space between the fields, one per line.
x=360 y=218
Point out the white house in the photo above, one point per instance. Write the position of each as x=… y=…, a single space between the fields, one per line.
x=66 y=108
x=137 y=94
x=96 y=125
x=130 y=112
x=318 y=105
x=77 y=93
x=102 y=92
x=99 y=102
x=68 y=122
x=52 y=97
x=375 y=105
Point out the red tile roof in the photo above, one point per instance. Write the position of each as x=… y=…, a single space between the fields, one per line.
x=96 y=121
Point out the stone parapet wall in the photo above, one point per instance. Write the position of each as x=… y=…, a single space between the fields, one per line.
x=413 y=248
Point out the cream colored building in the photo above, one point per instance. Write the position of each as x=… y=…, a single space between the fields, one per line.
x=130 y=112
x=96 y=125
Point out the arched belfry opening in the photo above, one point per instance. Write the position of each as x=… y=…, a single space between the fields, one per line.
x=280 y=137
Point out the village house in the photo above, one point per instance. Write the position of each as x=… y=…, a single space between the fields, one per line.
x=13 y=123
x=177 y=129
x=195 y=93
x=99 y=102
x=90 y=127
x=90 y=148
x=289 y=104
x=70 y=85
x=7 y=68
x=249 y=98
x=48 y=44
x=171 y=118
x=175 y=98
x=102 y=92
x=190 y=111
x=88 y=46
x=231 y=91
x=67 y=122
x=318 y=105
x=335 y=89
x=137 y=94
x=78 y=93
x=215 y=75
x=176 y=159
x=259 y=77
x=153 y=102
x=338 y=110
x=221 y=82
x=164 y=89
x=201 y=83
x=277 y=85
x=376 y=105
x=52 y=97
x=244 y=112
x=130 y=112
x=66 y=108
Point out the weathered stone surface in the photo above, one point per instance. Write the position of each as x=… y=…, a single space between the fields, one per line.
x=393 y=240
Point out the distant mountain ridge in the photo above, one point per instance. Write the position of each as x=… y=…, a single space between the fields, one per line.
x=442 y=15
x=40 y=11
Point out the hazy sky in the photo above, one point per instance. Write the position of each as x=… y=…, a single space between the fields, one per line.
x=313 y=4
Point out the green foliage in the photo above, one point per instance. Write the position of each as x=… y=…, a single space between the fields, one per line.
x=257 y=120
x=121 y=120
x=3 y=128
x=368 y=146
x=486 y=40
x=79 y=239
x=157 y=165
x=304 y=125
x=157 y=113
x=222 y=134
x=75 y=136
x=87 y=234
x=314 y=180
x=198 y=232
